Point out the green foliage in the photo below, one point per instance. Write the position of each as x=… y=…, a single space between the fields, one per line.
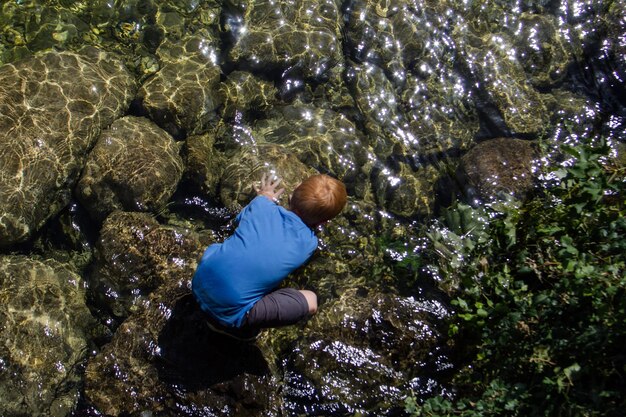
x=540 y=300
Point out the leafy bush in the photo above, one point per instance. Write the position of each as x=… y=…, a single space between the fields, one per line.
x=540 y=299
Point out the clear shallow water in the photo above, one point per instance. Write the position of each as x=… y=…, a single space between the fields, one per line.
x=386 y=95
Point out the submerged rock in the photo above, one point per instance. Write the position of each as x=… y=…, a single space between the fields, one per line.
x=299 y=37
x=504 y=81
x=52 y=107
x=44 y=337
x=182 y=97
x=135 y=166
x=320 y=138
x=135 y=255
x=499 y=167
x=165 y=360
x=362 y=353
x=406 y=192
x=247 y=166
x=245 y=93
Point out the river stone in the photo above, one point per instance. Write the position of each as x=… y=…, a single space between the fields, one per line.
x=320 y=138
x=44 y=337
x=182 y=97
x=499 y=167
x=52 y=107
x=135 y=255
x=362 y=353
x=243 y=93
x=204 y=164
x=164 y=360
x=134 y=166
x=247 y=165
x=300 y=36
x=441 y=113
x=406 y=192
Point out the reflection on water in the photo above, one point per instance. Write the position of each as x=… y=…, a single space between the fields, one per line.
x=412 y=103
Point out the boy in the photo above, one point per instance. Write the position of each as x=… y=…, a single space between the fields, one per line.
x=235 y=283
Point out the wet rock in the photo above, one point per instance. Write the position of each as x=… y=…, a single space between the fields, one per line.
x=406 y=192
x=504 y=82
x=499 y=167
x=182 y=97
x=45 y=334
x=246 y=167
x=322 y=139
x=376 y=99
x=301 y=37
x=53 y=26
x=135 y=166
x=440 y=111
x=244 y=93
x=361 y=354
x=204 y=165
x=135 y=255
x=165 y=360
x=52 y=108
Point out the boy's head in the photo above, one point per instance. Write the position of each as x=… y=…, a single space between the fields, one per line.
x=318 y=198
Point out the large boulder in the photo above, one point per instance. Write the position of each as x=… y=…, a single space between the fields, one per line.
x=498 y=168
x=135 y=166
x=44 y=337
x=135 y=255
x=52 y=107
x=182 y=96
x=302 y=37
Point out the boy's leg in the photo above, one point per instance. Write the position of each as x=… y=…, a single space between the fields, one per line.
x=281 y=308
x=311 y=299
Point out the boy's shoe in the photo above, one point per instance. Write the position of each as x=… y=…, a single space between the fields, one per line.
x=243 y=335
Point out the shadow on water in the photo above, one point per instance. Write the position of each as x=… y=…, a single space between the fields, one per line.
x=194 y=358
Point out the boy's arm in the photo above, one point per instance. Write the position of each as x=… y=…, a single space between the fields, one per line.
x=268 y=187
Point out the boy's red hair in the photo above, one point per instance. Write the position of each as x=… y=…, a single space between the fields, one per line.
x=318 y=198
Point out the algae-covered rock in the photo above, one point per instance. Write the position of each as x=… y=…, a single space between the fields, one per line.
x=244 y=93
x=299 y=36
x=504 y=81
x=182 y=97
x=405 y=192
x=362 y=353
x=44 y=337
x=440 y=111
x=322 y=139
x=499 y=167
x=135 y=166
x=135 y=255
x=165 y=360
x=52 y=108
x=247 y=166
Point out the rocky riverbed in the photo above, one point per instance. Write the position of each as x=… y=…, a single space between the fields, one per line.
x=130 y=134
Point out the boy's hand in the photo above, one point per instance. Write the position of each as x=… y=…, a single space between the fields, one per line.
x=268 y=188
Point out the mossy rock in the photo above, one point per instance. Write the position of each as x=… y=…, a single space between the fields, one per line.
x=135 y=166
x=45 y=336
x=52 y=107
x=135 y=255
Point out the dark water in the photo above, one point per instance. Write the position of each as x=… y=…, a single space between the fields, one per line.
x=388 y=96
